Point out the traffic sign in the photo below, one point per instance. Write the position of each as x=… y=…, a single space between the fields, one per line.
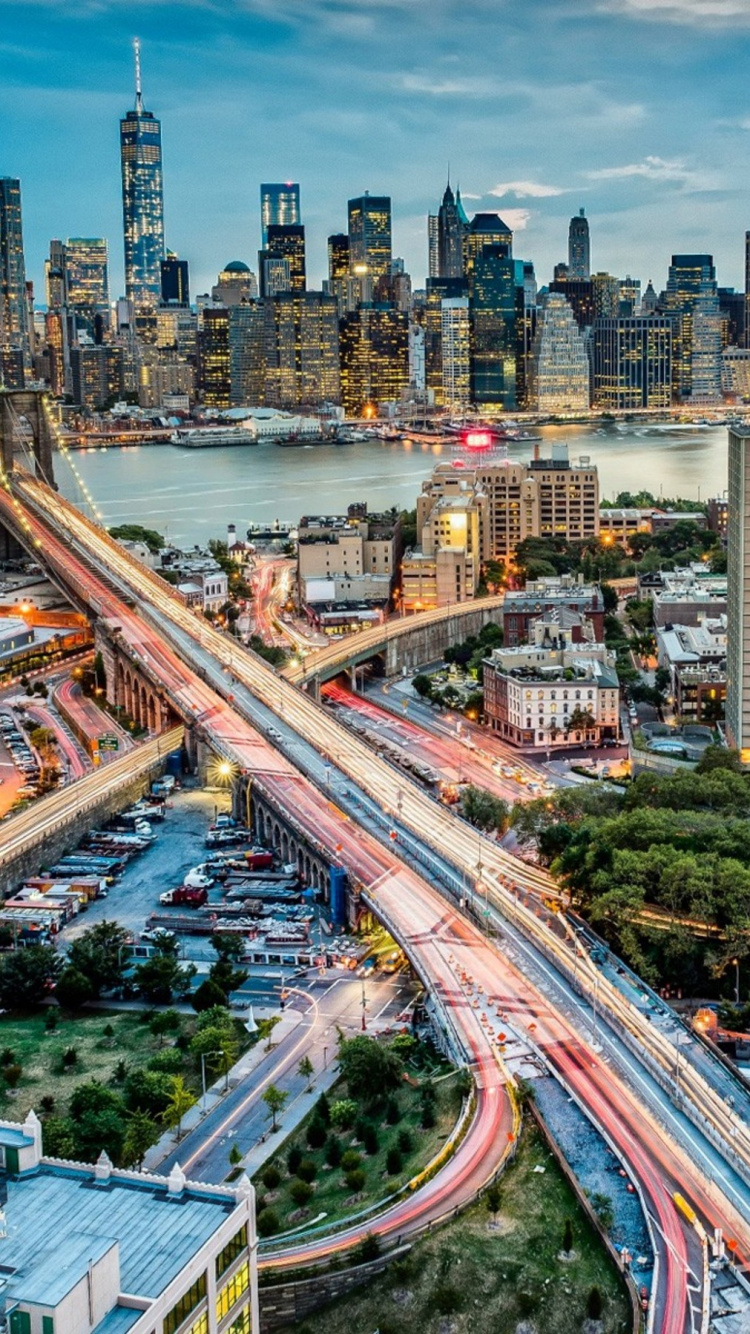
x=109 y=742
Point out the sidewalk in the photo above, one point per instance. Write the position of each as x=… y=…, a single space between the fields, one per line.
x=240 y=1071
x=293 y=1114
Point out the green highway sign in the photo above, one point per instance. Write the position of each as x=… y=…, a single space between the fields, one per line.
x=109 y=742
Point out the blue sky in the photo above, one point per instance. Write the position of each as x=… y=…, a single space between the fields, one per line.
x=638 y=110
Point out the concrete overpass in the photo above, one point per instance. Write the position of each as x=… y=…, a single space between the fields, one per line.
x=400 y=646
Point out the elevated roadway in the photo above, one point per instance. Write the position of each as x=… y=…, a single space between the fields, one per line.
x=720 y=1199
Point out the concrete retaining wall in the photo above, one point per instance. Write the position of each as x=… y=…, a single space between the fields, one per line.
x=287 y=1303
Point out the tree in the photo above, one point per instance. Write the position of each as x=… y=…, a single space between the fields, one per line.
x=610 y=598
x=275 y=1100
x=147 y=1091
x=316 y=1133
x=235 y=1155
x=594 y=1304
x=306 y=1069
x=484 y=810
x=27 y=976
x=370 y=1068
x=98 y=1132
x=73 y=989
x=580 y=720
x=265 y=1030
x=140 y=1134
x=422 y=685
x=271 y=1177
x=224 y=975
x=208 y=996
x=717 y=757
x=180 y=1101
x=218 y=1046
x=135 y=532
x=343 y=1113
x=163 y=1022
x=393 y=1161
x=268 y=1222
x=162 y=977
x=492 y=1199
x=301 y=1193
x=99 y=954
x=567 y=1242
x=333 y=1151
x=43 y=739
x=228 y=945
x=57 y=1138
x=306 y=1170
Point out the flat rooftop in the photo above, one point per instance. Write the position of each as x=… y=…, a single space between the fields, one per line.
x=157 y=1234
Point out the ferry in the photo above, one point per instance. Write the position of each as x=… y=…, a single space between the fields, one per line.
x=207 y=437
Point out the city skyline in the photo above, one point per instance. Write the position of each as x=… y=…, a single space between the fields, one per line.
x=286 y=110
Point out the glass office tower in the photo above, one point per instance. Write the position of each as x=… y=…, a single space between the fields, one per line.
x=370 y=235
x=142 y=200
x=14 y=324
x=279 y=207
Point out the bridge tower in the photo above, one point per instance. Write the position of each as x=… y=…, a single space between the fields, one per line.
x=33 y=406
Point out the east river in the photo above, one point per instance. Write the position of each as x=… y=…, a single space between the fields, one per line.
x=190 y=495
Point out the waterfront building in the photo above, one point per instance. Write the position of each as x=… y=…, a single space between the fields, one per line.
x=747 y=289
x=579 y=248
x=338 y=269
x=361 y=552
x=692 y=280
x=451 y=231
x=687 y=596
x=455 y=336
x=556 y=692
x=15 y=333
x=437 y=291
x=559 y=364
x=142 y=200
x=632 y=362
x=417 y=367
x=161 y=380
x=175 y=281
x=707 y=346
x=374 y=345
x=370 y=246
x=94 y=1248
x=695 y=656
x=97 y=375
x=247 y=354
x=732 y=311
x=496 y=298
x=735 y=372
x=302 y=350
x=279 y=207
x=738 y=592
x=288 y=242
x=236 y=283
x=213 y=346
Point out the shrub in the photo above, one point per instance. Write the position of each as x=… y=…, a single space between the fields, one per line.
x=51 y=1020
x=316 y=1133
x=405 y=1142
x=12 y=1074
x=333 y=1151
x=69 y=1058
x=355 y=1181
x=428 y=1117
x=351 y=1160
x=293 y=1159
x=392 y=1112
x=323 y=1109
x=343 y=1113
x=268 y=1222
x=47 y=1104
x=368 y=1249
x=169 y=1061
x=370 y=1140
x=567 y=1241
x=446 y=1299
x=307 y=1171
x=394 y=1162
x=300 y=1192
x=271 y=1177
x=594 y=1305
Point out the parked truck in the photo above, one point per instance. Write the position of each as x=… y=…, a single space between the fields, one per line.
x=189 y=896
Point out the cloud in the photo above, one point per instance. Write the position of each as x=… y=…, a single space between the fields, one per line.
x=517 y=218
x=526 y=190
x=436 y=86
x=651 y=169
x=706 y=13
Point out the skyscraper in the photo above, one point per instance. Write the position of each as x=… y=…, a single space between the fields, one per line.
x=451 y=232
x=496 y=303
x=302 y=350
x=559 y=364
x=738 y=592
x=747 y=289
x=456 y=352
x=15 y=346
x=86 y=279
x=370 y=235
x=287 y=242
x=338 y=268
x=693 y=277
x=175 y=281
x=632 y=362
x=484 y=230
x=142 y=200
x=433 y=249
x=247 y=354
x=279 y=207
x=579 y=247
x=214 y=357
x=374 y=357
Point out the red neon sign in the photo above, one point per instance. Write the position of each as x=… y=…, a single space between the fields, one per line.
x=478 y=439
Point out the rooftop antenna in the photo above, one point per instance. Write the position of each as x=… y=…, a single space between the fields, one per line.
x=138 y=90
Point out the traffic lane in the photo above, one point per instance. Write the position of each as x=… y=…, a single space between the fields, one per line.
x=11 y=779
x=76 y=764
x=90 y=719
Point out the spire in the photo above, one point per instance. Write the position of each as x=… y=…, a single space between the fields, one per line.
x=460 y=208
x=138 y=90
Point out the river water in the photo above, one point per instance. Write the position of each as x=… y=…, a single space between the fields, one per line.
x=190 y=495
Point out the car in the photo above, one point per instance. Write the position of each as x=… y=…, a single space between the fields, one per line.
x=152 y=935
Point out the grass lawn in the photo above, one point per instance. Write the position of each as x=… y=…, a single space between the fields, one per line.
x=476 y=1276
x=40 y=1055
x=330 y=1192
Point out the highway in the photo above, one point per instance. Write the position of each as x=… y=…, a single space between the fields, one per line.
x=415 y=908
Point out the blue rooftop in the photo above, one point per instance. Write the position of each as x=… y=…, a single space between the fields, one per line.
x=157 y=1235
x=118 y=1321
x=51 y=1272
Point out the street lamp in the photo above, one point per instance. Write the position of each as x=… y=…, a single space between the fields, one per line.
x=219 y=1051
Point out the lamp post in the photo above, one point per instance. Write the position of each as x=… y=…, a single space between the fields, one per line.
x=219 y=1051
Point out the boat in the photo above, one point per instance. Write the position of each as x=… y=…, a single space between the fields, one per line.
x=211 y=437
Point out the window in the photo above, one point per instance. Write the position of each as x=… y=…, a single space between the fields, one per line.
x=48 y=1325
x=242 y=1324
x=20 y=1322
x=233 y=1290
x=233 y=1248
x=187 y=1303
x=199 y=1326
